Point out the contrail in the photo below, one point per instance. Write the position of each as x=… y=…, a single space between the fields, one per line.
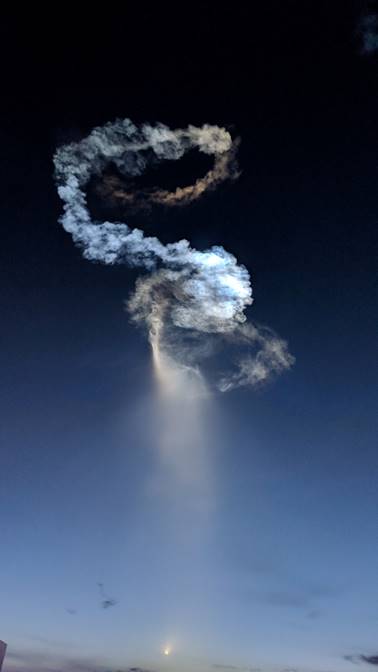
x=190 y=300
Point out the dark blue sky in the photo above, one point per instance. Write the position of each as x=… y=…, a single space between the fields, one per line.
x=269 y=560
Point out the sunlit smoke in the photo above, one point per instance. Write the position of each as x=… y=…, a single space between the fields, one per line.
x=175 y=378
x=225 y=168
x=188 y=294
x=183 y=418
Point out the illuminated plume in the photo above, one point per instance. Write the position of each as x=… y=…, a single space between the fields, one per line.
x=186 y=291
x=225 y=168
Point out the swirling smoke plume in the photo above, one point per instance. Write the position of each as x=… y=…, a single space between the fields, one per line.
x=190 y=301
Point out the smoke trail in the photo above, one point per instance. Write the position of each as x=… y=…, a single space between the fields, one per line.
x=188 y=293
x=225 y=168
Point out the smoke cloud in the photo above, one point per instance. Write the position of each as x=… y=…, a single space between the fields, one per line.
x=368 y=29
x=225 y=168
x=190 y=300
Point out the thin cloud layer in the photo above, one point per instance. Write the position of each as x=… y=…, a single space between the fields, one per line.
x=37 y=661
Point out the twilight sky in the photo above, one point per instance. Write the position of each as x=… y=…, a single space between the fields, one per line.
x=240 y=532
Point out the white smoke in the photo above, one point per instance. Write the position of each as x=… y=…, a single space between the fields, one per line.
x=204 y=292
x=225 y=168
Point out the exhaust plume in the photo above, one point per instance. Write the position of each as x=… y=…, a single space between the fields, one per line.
x=225 y=168
x=190 y=300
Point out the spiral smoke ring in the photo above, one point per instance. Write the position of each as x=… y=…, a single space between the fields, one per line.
x=206 y=292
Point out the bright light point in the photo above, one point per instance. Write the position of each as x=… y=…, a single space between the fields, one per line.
x=212 y=259
x=239 y=287
x=167 y=650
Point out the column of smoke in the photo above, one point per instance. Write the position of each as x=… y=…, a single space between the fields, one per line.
x=183 y=405
x=190 y=301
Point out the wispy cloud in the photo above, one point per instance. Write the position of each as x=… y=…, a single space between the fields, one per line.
x=301 y=597
x=106 y=601
x=368 y=31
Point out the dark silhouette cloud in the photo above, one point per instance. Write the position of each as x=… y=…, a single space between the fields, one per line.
x=35 y=661
x=236 y=668
x=314 y=614
x=362 y=658
x=106 y=601
x=240 y=668
x=31 y=658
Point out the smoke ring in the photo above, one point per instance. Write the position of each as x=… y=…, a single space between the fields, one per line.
x=164 y=144
x=225 y=167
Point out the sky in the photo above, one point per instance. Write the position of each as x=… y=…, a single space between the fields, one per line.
x=236 y=530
